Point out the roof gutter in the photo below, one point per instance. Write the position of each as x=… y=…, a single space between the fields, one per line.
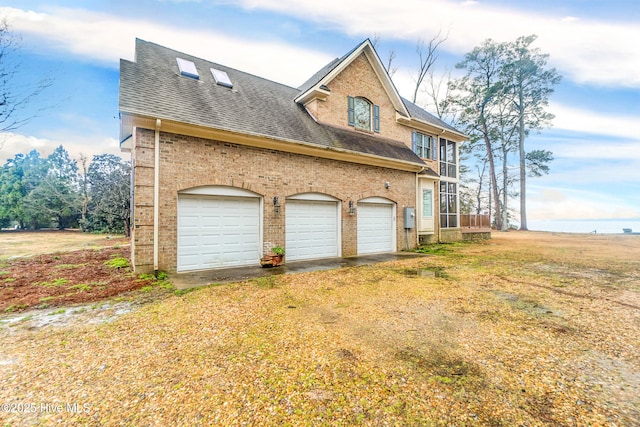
x=272 y=143
x=429 y=127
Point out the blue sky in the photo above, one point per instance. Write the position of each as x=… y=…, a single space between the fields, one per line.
x=593 y=44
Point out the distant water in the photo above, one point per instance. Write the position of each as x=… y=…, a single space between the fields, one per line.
x=601 y=226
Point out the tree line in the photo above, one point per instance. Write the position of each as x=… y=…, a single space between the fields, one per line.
x=498 y=102
x=55 y=192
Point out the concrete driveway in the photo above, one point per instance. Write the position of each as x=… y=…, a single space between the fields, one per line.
x=238 y=274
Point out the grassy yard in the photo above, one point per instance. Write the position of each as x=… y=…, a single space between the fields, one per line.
x=531 y=329
x=27 y=243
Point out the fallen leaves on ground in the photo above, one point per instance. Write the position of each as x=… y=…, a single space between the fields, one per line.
x=50 y=280
x=509 y=332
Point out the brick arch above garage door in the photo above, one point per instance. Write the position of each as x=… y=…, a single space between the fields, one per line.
x=312 y=226
x=218 y=227
x=219 y=190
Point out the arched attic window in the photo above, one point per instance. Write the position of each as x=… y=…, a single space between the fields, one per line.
x=363 y=114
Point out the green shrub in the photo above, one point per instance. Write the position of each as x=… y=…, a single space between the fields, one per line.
x=118 y=262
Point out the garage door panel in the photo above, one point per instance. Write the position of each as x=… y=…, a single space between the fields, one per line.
x=207 y=221
x=217 y=232
x=189 y=221
x=189 y=241
x=311 y=229
x=376 y=228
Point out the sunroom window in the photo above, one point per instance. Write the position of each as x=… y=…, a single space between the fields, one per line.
x=448 y=204
x=448 y=158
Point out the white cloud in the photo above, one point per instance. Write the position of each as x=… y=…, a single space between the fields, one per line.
x=584 y=50
x=570 y=19
x=601 y=149
x=112 y=37
x=565 y=203
x=76 y=144
x=587 y=121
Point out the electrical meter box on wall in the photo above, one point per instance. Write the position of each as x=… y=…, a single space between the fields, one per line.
x=409 y=218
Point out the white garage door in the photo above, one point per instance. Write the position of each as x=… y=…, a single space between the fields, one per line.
x=218 y=231
x=376 y=228
x=311 y=229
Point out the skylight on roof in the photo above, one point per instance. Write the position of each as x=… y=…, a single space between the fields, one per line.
x=222 y=78
x=187 y=68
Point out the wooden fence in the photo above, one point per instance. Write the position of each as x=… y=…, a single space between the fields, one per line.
x=472 y=221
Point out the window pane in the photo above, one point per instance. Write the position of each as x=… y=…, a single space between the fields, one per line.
x=427 y=148
x=451 y=170
x=453 y=221
x=423 y=145
x=451 y=152
x=427 y=203
x=443 y=221
x=452 y=187
x=452 y=207
x=443 y=169
x=443 y=187
x=362 y=112
x=443 y=203
x=443 y=150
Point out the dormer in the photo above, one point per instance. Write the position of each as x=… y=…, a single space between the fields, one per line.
x=353 y=91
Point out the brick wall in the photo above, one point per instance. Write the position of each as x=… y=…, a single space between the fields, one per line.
x=187 y=162
x=359 y=79
x=142 y=160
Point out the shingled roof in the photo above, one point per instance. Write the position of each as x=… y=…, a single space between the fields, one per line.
x=420 y=114
x=152 y=86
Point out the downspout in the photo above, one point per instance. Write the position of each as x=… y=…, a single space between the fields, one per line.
x=437 y=187
x=418 y=204
x=156 y=196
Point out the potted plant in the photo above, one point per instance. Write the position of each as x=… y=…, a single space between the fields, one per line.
x=278 y=255
x=273 y=258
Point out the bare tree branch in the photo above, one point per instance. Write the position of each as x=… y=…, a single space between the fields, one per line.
x=427 y=55
x=14 y=96
x=391 y=70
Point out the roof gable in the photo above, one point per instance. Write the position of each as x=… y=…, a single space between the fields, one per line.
x=314 y=87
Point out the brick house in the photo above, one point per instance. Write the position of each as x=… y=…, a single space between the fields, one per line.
x=227 y=165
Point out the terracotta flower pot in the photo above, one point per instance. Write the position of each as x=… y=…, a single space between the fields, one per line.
x=272 y=260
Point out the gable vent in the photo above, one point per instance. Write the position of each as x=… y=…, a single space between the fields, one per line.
x=221 y=77
x=187 y=68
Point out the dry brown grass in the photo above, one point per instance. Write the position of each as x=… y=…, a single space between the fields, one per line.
x=525 y=329
x=26 y=243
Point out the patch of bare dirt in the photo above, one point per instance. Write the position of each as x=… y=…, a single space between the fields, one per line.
x=66 y=278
